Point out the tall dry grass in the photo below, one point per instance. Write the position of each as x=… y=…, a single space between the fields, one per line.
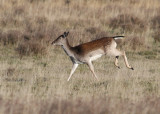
x=86 y=20
x=33 y=73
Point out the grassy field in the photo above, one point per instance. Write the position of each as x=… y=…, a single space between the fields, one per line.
x=33 y=74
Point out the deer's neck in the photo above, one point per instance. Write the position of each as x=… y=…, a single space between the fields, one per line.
x=67 y=48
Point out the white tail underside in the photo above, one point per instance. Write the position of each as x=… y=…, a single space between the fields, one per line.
x=118 y=37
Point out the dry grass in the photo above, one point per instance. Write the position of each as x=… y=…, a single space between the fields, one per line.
x=128 y=22
x=41 y=83
x=78 y=106
x=33 y=73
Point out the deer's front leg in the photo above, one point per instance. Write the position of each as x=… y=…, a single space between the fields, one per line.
x=72 y=71
x=92 y=69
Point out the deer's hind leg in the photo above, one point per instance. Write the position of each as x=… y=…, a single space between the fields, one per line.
x=116 y=62
x=126 y=61
x=115 y=52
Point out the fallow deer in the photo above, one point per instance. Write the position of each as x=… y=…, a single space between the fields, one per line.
x=90 y=51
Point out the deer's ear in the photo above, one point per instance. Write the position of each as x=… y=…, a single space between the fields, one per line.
x=66 y=34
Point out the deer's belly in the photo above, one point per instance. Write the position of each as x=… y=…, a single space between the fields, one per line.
x=96 y=54
x=94 y=57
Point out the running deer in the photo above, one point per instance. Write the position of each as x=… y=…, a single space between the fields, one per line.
x=90 y=51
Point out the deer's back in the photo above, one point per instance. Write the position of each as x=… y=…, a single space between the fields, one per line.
x=93 y=46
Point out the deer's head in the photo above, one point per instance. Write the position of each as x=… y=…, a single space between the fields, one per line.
x=61 y=39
